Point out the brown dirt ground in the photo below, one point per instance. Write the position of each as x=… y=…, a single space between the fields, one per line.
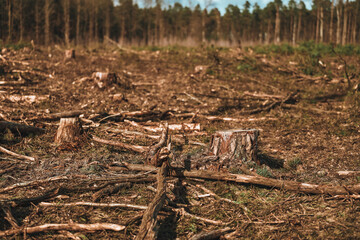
x=307 y=140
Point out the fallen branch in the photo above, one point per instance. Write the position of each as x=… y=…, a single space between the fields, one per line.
x=173 y=127
x=258 y=180
x=348 y=173
x=134 y=148
x=272 y=105
x=92 y=204
x=147 y=229
x=4 y=150
x=64 y=226
x=34 y=183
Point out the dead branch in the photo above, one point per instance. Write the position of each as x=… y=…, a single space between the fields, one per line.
x=109 y=190
x=4 y=150
x=263 y=95
x=272 y=105
x=258 y=180
x=22 y=129
x=9 y=217
x=348 y=173
x=153 y=150
x=64 y=226
x=147 y=229
x=175 y=138
x=134 y=148
x=34 y=183
x=92 y=204
x=212 y=234
x=225 y=119
x=67 y=114
x=173 y=127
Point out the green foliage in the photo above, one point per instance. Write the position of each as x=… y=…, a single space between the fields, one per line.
x=283 y=49
x=293 y=163
x=264 y=172
x=15 y=46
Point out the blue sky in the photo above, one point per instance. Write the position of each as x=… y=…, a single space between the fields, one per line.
x=222 y=4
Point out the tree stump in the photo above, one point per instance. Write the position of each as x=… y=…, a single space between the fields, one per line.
x=69 y=132
x=104 y=79
x=69 y=54
x=235 y=146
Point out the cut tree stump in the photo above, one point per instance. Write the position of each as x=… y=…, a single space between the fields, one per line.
x=69 y=54
x=235 y=146
x=104 y=79
x=69 y=131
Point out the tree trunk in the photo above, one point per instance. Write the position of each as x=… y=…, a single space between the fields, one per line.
x=96 y=25
x=354 y=28
x=21 y=21
x=321 y=30
x=78 y=15
x=67 y=22
x=107 y=20
x=69 y=131
x=203 y=25
x=47 y=21
x=299 y=25
x=294 y=31
x=122 y=35
x=37 y=22
x=9 y=9
x=277 y=25
x=331 y=30
x=338 y=23
x=235 y=147
x=345 y=26
x=91 y=21
x=317 y=24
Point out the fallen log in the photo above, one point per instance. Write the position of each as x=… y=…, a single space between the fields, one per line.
x=20 y=129
x=173 y=127
x=64 y=226
x=148 y=228
x=258 y=180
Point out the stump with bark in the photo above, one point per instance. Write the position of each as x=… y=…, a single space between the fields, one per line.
x=235 y=146
x=104 y=79
x=69 y=132
x=69 y=54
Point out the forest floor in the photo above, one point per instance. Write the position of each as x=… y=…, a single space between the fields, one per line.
x=307 y=139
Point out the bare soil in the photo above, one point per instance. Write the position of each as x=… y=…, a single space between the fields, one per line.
x=307 y=138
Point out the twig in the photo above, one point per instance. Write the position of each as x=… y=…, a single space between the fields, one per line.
x=4 y=150
x=182 y=211
x=64 y=226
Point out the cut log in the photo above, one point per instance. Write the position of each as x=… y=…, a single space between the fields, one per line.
x=104 y=79
x=235 y=146
x=69 y=131
x=69 y=54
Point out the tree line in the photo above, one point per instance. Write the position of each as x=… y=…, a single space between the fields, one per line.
x=82 y=22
